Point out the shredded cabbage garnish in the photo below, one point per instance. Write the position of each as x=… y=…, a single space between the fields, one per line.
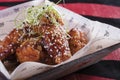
x=35 y=14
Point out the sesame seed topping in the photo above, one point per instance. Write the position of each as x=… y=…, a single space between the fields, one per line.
x=20 y=45
x=1 y=54
x=55 y=47
x=28 y=45
x=55 y=40
x=57 y=50
x=50 y=44
x=45 y=46
x=51 y=50
x=10 y=45
x=8 y=36
x=59 y=54
x=17 y=31
x=47 y=33
x=12 y=50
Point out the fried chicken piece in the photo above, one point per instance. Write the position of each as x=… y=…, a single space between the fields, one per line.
x=55 y=42
x=9 y=44
x=45 y=58
x=28 y=52
x=31 y=50
x=51 y=17
x=77 y=41
x=13 y=40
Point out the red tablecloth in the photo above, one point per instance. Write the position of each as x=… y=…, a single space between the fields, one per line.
x=107 y=11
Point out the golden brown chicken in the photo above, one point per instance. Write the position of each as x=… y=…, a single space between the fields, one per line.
x=9 y=44
x=42 y=38
x=47 y=44
x=28 y=51
x=13 y=40
x=55 y=42
x=77 y=40
x=31 y=50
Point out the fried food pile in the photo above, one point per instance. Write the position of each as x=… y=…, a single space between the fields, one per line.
x=43 y=40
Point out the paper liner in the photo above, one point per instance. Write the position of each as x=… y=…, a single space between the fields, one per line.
x=100 y=36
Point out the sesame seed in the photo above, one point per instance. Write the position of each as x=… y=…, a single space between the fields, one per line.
x=62 y=46
x=45 y=46
x=67 y=49
x=59 y=54
x=20 y=45
x=1 y=54
x=51 y=50
x=17 y=31
x=52 y=37
x=14 y=37
x=48 y=40
x=43 y=36
x=47 y=33
x=54 y=43
x=28 y=45
x=11 y=50
x=8 y=36
x=51 y=31
x=51 y=56
x=10 y=45
x=55 y=40
x=50 y=44
x=55 y=47
x=57 y=50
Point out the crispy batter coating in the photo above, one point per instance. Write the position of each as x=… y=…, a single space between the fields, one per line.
x=13 y=40
x=28 y=52
x=55 y=43
x=45 y=42
x=50 y=15
x=45 y=58
x=77 y=41
x=9 y=44
x=42 y=38
x=49 y=44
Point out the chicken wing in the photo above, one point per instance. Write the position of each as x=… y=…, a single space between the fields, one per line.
x=13 y=40
x=27 y=51
x=55 y=43
x=77 y=40
x=9 y=44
